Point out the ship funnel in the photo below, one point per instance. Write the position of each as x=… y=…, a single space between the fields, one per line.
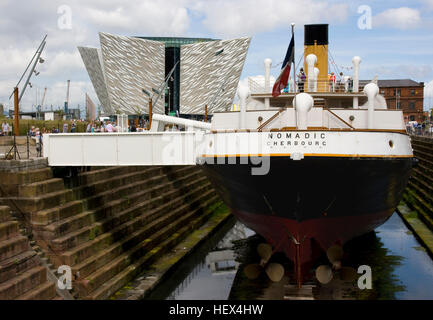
x=311 y=60
x=303 y=103
x=316 y=42
x=371 y=90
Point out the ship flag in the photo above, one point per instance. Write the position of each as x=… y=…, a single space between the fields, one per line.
x=283 y=78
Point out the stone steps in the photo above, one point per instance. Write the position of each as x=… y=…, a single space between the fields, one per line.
x=422 y=194
x=101 y=222
x=45 y=291
x=424 y=211
x=17 y=264
x=4 y=213
x=22 y=283
x=47 y=216
x=424 y=147
x=83 y=251
x=125 y=190
x=95 y=261
x=161 y=233
x=419 y=179
x=40 y=188
x=109 y=209
x=64 y=210
x=89 y=177
x=8 y=230
x=426 y=172
x=423 y=156
x=21 y=272
x=46 y=201
x=87 y=218
x=12 y=247
x=83 y=191
x=108 y=288
x=27 y=176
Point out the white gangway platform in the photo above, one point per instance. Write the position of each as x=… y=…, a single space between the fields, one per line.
x=121 y=149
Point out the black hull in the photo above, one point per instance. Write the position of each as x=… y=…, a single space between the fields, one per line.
x=303 y=207
x=314 y=187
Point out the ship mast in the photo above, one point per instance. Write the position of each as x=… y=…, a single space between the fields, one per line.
x=294 y=70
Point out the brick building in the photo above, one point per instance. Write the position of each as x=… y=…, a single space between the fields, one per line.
x=404 y=94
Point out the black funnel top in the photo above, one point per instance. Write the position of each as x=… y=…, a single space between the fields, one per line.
x=315 y=32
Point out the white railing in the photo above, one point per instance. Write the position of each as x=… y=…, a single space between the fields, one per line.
x=323 y=85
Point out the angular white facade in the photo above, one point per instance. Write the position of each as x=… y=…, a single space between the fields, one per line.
x=93 y=63
x=124 y=66
x=130 y=65
x=209 y=74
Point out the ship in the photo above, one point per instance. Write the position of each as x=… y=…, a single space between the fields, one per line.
x=309 y=171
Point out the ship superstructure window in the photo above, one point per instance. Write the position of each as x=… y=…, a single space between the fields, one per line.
x=412 y=105
x=412 y=92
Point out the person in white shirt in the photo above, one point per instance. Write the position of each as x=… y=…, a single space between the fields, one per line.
x=5 y=128
x=109 y=127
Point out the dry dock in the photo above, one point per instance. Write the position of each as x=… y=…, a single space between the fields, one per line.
x=163 y=233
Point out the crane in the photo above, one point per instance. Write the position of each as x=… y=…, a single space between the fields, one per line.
x=43 y=98
x=67 y=97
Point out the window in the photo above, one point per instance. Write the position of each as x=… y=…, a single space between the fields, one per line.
x=412 y=92
x=411 y=118
x=398 y=105
x=382 y=92
x=412 y=105
x=398 y=92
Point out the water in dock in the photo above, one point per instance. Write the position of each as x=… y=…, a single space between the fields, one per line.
x=401 y=269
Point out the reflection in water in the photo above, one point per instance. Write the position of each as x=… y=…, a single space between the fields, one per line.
x=400 y=269
x=214 y=277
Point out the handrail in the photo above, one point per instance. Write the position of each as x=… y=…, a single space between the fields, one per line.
x=348 y=124
x=269 y=120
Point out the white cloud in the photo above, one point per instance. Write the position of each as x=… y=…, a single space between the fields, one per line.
x=428 y=3
x=415 y=72
x=142 y=17
x=400 y=18
x=229 y=18
x=62 y=63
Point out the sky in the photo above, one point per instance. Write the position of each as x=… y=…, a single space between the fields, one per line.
x=393 y=38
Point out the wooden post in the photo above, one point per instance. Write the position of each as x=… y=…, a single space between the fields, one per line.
x=150 y=115
x=16 y=113
x=205 y=113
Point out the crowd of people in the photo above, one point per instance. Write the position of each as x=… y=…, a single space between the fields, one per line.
x=332 y=83
x=421 y=129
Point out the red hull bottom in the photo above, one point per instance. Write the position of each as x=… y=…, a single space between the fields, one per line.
x=303 y=242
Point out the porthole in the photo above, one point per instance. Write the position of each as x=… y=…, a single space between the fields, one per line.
x=260 y=119
x=391 y=143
